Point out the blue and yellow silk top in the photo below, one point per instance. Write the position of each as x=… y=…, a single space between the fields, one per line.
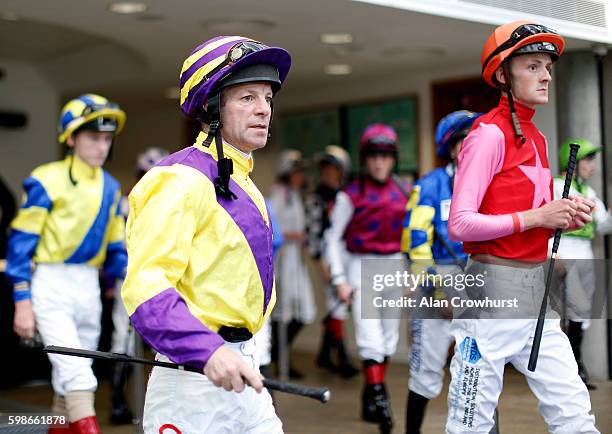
x=59 y=222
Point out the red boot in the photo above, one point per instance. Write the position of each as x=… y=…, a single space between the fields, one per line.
x=87 y=425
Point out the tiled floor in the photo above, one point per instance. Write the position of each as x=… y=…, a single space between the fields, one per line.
x=518 y=407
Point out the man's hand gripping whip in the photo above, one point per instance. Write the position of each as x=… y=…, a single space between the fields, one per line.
x=320 y=394
x=537 y=338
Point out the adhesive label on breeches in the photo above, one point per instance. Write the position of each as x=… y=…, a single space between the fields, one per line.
x=416 y=349
x=469 y=350
x=469 y=379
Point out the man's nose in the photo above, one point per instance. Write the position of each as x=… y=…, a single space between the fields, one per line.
x=263 y=107
x=103 y=144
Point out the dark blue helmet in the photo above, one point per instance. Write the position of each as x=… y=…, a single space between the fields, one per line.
x=451 y=128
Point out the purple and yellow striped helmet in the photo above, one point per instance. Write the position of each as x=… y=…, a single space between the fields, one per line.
x=216 y=59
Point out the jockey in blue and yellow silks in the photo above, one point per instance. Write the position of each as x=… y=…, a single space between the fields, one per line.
x=429 y=250
x=69 y=226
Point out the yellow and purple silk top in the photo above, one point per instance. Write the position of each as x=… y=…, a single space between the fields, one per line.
x=62 y=222
x=197 y=262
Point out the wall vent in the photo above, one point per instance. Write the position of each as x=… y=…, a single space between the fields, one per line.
x=587 y=12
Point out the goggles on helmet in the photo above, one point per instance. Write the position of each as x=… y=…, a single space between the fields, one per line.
x=101 y=124
x=91 y=108
x=520 y=34
x=381 y=140
x=236 y=53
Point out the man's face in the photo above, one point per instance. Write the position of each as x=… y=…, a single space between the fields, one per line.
x=586 y=167
x=330 y=175
x=379 y=165
x=530 y=78
x=297 y=179
x=455 y=149
x=91 y=146
x=245 y=113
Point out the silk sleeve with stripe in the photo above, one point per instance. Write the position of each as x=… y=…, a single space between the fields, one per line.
x=115 y=263
x=160 y=230
x=340 y=217
x=26 y=229
x=417 y=235
x=277 y=232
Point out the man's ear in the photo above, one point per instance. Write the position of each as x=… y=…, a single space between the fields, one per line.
x=70 y=141
x=499 y=75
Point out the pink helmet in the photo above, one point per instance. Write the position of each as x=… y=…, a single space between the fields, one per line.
x=378 y=138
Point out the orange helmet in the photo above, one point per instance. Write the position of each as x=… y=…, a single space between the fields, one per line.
x=518 y=37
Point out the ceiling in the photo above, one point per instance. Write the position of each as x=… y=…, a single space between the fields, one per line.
x=80 y=44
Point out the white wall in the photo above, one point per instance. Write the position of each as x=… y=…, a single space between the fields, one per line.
x=151 y=124
x=24 y=89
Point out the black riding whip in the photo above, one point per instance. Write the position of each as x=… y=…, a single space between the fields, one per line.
x=537 y=337
x=320 y=394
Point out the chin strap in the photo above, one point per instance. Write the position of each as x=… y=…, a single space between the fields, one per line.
x=224 y=165
x=580 y=183
x=515 y=120
x=71 y=155
x=452 y=179
x=271 y=116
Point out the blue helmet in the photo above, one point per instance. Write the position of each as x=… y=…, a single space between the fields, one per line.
x=451 y=128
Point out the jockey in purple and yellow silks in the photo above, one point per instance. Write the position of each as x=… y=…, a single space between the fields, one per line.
x=200 y=280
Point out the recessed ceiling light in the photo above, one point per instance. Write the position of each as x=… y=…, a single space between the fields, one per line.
x=338 y=69
x=336 y=38
x=9 y=16
x=127 y=7
x=172 y=92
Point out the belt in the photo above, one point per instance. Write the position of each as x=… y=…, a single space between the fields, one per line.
x=485 y=258
x=235 y=334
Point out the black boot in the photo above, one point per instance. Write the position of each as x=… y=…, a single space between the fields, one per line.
x=120 y=413
x=324 y=359
x=293 y=328
x=415 y=412
x=376 y=408
x=368 y=406
x=575 y=335
x=345 y=367
x=584 y=375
